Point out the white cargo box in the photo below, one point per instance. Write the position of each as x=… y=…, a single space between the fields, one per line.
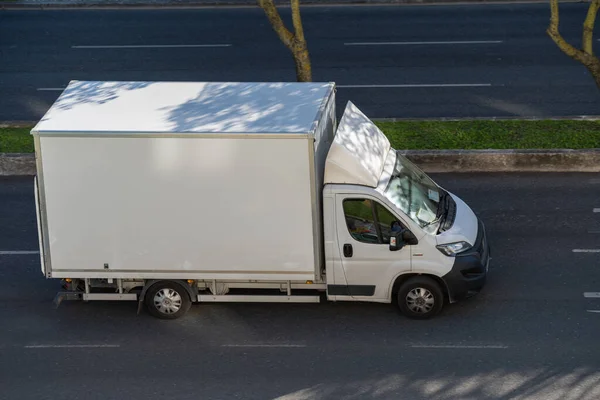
x=184 y=180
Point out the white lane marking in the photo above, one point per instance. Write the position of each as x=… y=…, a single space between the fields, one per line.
x=456 y=346
x=49 y=89
x=418 y=85
x=263 y=345
x=150 y=46
x=67 y=346
x=422 y=43
x=591 y=295
x=594 y=311
x=596 y=210
x=18 y=252
x=586 y=250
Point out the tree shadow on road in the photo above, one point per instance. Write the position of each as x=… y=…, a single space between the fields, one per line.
x=496 y=384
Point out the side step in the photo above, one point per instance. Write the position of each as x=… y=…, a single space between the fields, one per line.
x=110 y=296
x=259 y=299
x=75 y=296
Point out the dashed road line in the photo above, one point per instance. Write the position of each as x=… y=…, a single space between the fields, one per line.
x=418 y=85
x=264 y=345
x=586 y=250
x=415 y=346
x=591 y=295
x=423 y=43
x=18 y=252
x=151 y=46
x=68 y=346
x=457 y=346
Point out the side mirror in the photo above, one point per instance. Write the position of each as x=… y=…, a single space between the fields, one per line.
x=396 y=241
x=403 y=238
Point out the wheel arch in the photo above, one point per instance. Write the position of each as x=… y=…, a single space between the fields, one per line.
x=403 y=277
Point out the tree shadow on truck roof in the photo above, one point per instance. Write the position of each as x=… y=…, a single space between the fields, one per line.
x=188 y=107
x=99 y=92
x=249 y=108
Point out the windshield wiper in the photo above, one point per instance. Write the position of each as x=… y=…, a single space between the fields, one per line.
x=437 y=219
x=442 y=209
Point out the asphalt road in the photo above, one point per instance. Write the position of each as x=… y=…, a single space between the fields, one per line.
x=517 y=71
x=528 y=335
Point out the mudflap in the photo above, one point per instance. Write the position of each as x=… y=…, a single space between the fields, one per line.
x=60 y=296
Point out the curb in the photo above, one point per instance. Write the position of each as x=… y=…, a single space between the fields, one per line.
x=253 y=3
x=556 y=160
x=17 y=164
x=431 y=161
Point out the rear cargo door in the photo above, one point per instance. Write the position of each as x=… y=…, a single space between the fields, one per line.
x=364 y=226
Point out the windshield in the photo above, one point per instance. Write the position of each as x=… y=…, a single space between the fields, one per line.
x=415 y=194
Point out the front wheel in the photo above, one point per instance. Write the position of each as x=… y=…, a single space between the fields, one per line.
x=167 y=300
x=420 y=298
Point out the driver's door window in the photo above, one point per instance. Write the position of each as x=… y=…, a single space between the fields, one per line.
x=368 y=221
x=360 y=220
x=387 y=222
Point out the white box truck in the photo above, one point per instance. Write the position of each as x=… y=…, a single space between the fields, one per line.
x=171 y=193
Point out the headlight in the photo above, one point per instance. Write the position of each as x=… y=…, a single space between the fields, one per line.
x=452 y=249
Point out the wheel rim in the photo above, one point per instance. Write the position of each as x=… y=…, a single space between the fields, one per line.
x=167 y=301
x=420 y=300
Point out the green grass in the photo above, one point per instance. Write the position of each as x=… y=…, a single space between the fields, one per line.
x=436 y=135
x=442 y=135
x=16 y=140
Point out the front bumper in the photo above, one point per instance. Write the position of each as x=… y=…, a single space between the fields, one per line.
x=469 y=272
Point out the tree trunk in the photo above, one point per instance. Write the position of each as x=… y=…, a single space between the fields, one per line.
x=588 y=28
x=593 y=65
x=295 y=42
x=586 y=55
x=302 y=60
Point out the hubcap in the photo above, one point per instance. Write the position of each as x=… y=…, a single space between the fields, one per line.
x=167 y=301
x=420 y=300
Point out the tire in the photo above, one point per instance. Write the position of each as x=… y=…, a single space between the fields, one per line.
x=167 y=300
x=420 y=298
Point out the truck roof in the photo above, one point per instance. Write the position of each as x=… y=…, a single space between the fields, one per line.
x=120 y=107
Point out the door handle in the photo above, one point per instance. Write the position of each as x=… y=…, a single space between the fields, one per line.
x=348 y=250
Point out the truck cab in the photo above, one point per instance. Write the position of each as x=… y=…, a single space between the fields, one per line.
x=392 y=234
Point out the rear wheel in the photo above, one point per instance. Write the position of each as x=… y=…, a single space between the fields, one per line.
x=167 y=300
x=420 y=298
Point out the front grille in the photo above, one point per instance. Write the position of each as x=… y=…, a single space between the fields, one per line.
x=482 y=243
x=484 y=249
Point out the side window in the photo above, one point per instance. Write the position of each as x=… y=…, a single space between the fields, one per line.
x=369 y=221
x=387 y=222
x=360 y=220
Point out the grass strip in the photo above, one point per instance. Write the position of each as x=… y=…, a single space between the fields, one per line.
x=437 y=135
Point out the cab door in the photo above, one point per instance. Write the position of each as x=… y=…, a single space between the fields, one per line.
x=364 y=226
